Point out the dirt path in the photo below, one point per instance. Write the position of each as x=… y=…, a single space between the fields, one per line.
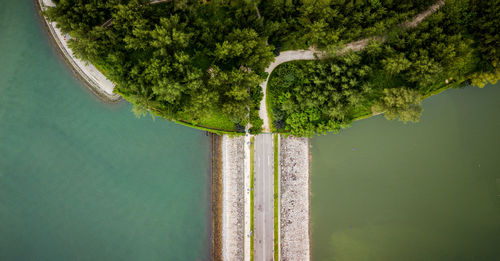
x=158 y=1
x=420 y=17
x=312 y=54
x=110 y=21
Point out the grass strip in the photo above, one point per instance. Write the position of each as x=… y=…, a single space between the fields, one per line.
x=276 y=197
x=216 y=131
x=251 y=197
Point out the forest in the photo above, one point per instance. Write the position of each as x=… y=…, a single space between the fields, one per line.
x=455 y=47
x=200 y=62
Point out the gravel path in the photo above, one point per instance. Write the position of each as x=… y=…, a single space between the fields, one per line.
x=294 y=198
x=312 y=54
x=420 y=17
x=284 y=57
x=233 y=205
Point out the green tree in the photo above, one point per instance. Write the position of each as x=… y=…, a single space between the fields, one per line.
x=486 y=28
x=401 y=103
x=244 y=47
x=395 y=65
x=423 y=69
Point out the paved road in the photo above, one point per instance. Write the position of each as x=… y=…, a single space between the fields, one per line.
x=263 y=198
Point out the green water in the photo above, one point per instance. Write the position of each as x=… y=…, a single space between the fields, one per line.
x=83 y=180
x=384 y=190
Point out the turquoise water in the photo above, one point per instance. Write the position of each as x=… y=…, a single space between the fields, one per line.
x=383 y=190
x=84 y=180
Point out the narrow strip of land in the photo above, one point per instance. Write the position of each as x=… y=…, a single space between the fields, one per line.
x=277 y=169
x=293 y=157
x=248 y=195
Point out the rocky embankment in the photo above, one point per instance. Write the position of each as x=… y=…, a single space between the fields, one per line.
x=233 y=198
x=294 y=198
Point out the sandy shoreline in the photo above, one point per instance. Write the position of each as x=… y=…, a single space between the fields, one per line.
x=86 y=72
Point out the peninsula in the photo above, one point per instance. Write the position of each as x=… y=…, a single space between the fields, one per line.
x=203 y=64
x=251 y=69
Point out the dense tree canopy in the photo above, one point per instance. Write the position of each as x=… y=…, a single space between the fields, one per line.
x=181 y=60
x=202 y=61
x=401 y=103
x=299 y=24
x=317 y=96
x=445 y=50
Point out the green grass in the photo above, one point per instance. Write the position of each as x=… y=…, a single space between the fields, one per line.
x=219 y=121
x=215 y=122
x=276 y=197
x=251 y=197
x=217 y=131
x=269 y=105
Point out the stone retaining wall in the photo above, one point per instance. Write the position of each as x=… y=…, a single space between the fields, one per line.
x=233 y=206
x=294 y=200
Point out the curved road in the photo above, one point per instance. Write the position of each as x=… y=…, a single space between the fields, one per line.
x=312 y=54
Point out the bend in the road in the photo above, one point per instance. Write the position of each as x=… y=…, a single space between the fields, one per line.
x=312 y=54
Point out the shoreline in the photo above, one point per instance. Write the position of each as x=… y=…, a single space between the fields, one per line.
x=313 y=54
x=216 y=196
x=83 y=74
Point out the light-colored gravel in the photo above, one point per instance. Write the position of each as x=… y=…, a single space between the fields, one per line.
x=233 y=199
x=93 y=77
x=294 y=200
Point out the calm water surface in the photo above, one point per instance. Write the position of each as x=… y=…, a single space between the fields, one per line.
x=384 y=190
x=83 y=180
